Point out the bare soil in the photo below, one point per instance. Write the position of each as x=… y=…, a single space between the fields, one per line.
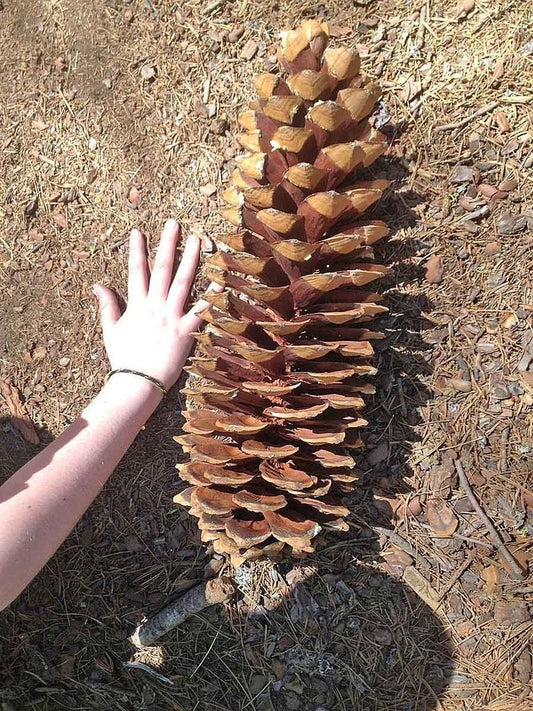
x=117 y=113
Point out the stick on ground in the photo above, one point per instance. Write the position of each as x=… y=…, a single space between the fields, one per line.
x=467 y=119
x=517 y=571
x=193 y=601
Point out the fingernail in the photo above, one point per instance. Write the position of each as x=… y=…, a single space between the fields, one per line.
x=217 y=288
x=171 y=224
x=94 y=289
x=134 y=234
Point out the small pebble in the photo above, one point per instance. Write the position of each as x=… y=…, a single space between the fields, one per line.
x=492 y=248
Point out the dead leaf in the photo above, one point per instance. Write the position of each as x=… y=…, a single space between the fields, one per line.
x=520 y=550
x=522 y=667
x=442 y=520
x=491 y=575
x=65 y=667
x=21 y=420
x=208 y=189
x=61 y=220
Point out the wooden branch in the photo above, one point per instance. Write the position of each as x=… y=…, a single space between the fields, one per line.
x=467 y=119
x=192 y=602
x=517 y=571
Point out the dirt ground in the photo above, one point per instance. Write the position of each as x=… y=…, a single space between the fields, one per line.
x=123 y=113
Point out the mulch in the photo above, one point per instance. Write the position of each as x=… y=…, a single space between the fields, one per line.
x=124 y=113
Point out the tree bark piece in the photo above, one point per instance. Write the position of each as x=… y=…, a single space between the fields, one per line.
x=21 y=420
x=192 y=602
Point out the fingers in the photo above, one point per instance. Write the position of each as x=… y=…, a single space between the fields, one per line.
x=181 y=285
x=164 y=261
x=138 y=274
x=191 y=321
x=109 y=308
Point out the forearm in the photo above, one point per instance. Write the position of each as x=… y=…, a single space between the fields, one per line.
x=41 y=503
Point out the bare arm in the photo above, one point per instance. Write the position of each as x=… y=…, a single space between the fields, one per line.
x=41 y=503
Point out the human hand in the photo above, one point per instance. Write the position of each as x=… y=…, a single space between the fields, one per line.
x=153 y=335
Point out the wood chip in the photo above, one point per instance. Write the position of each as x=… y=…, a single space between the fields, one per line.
x=434 y=269
x=442 y=520
x=21 y=420
x=249 y=50
x=421 y=587
x=491 y=575
x=235 y=34
x=502 y=121
x=61 y=221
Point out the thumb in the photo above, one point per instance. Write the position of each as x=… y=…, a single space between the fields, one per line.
x=109 y=308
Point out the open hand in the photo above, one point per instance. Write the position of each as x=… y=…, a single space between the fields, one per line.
x=153 y=335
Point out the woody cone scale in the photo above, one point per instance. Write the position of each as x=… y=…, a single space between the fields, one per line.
x=287 y=346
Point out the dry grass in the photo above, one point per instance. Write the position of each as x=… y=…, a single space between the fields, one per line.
x=78 y=147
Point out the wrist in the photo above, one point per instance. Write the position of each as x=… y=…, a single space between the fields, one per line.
x=128 y=387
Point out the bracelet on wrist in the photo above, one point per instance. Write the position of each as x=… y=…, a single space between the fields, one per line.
x=150 y=378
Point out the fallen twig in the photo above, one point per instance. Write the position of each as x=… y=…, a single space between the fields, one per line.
x=455 y=577
x=192 y=602
x=467 y=119
x=496 y=538
x=400 y=542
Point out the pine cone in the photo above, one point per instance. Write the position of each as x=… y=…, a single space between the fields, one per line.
x=287 y=343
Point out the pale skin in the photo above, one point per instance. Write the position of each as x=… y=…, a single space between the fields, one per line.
x=41 y=503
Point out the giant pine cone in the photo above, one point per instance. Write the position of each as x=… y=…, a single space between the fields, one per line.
x=287 y=343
